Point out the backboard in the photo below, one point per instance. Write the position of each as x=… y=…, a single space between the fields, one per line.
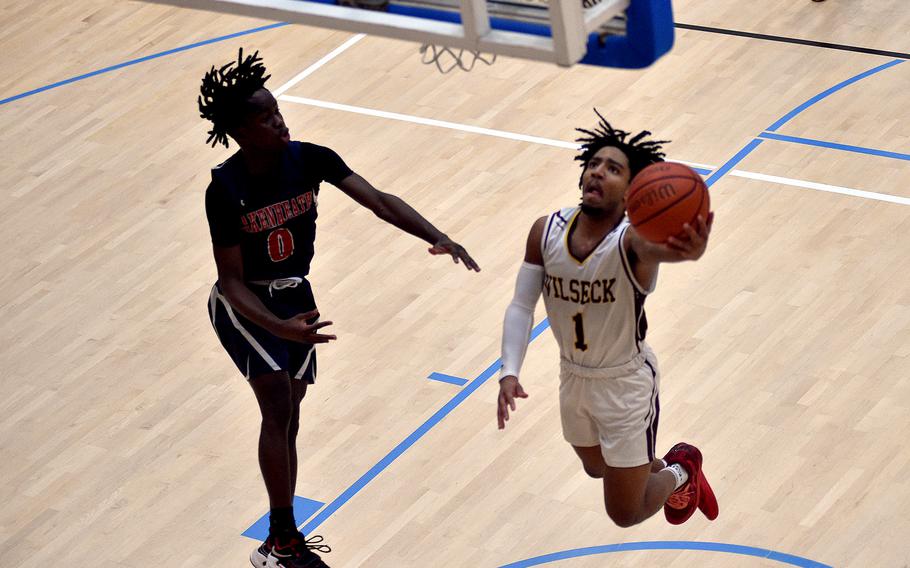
x=564 y=32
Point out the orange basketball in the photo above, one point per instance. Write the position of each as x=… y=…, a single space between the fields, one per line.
x=665 y=196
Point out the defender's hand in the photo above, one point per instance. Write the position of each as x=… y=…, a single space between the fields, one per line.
x=509 y=390
x=445 y=245
x=297 y=329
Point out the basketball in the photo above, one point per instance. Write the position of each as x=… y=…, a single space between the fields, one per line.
x=665 y=196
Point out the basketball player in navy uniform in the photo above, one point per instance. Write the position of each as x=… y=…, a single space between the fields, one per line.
x=594 y=271
x=261 y=206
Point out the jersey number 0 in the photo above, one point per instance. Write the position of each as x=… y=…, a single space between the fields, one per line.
x=281 y=244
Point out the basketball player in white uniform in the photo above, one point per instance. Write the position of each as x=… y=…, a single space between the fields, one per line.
x=595 y=272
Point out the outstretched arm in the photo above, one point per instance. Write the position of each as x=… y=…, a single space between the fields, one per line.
x=517 y=323
x=394 y=210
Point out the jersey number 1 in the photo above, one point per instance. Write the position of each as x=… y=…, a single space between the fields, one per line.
x=281 y=244
x=579 y=333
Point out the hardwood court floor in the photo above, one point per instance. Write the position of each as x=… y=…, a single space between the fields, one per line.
x=128 y=439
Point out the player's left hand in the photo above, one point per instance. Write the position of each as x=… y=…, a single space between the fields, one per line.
x=445 y=245
x=509 y=390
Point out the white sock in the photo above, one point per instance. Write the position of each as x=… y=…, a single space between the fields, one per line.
x=679 y=473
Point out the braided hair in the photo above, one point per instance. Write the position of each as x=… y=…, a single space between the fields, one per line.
x=225 y=93
x=639 y=152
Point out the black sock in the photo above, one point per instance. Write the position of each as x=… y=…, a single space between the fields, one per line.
x=281 y=521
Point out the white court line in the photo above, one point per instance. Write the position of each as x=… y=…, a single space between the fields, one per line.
x=824 y=187
x=573 y=146
x=431 y=122
x=444 y=124
x=309 y=70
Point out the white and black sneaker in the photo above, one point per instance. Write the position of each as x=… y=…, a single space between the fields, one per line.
x=296 y=552
x=259 y=556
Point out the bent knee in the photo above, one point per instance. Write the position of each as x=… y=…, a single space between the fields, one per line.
x=623 y=519
x=595 y=473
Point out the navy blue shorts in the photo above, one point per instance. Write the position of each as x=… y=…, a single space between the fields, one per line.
x=254 y=350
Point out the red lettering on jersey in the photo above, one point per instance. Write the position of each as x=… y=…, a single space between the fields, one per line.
x=279 y=213
x=263 y=219
x=270 y=215
x=254 y=225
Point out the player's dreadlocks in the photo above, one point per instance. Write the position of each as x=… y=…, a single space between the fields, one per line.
x=640 y=153
x=225 y=92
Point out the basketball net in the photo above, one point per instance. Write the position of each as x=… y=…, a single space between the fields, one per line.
x=446 y=58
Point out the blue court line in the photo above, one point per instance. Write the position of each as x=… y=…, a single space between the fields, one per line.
x=670 y=545
x=834 y=145
x=731 y=163
x=303 y=510
x=724 y=169
x=790 y=115
x=139 y=60
x=405 y=444
x=448 y=379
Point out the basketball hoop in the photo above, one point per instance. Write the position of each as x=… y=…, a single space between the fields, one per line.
x=447 y=59
x=563 y=32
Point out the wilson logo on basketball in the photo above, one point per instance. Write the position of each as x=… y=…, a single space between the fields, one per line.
x=663 y=198
x=651 y=196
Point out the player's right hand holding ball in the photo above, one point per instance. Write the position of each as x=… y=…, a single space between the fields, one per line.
x=690 y=245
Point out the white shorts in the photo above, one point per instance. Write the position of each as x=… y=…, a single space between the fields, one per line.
x=616 y=408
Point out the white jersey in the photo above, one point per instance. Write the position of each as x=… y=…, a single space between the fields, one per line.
x=595 y=306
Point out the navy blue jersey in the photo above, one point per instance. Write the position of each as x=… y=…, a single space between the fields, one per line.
x=272 y=216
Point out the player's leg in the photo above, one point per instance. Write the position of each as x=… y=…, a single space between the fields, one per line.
x=279 y=398
x=580 y=428
x=298 y=391
x=592 y=460
x=302 y=365
x=633 y=494
x=273 y=393
x=625 y=407
x=294 y=550
x=264 y=360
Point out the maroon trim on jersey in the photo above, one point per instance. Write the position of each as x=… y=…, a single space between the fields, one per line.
x=653 y=417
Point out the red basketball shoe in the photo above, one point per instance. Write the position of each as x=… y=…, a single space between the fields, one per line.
x=707 y=502
x=682 y=503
